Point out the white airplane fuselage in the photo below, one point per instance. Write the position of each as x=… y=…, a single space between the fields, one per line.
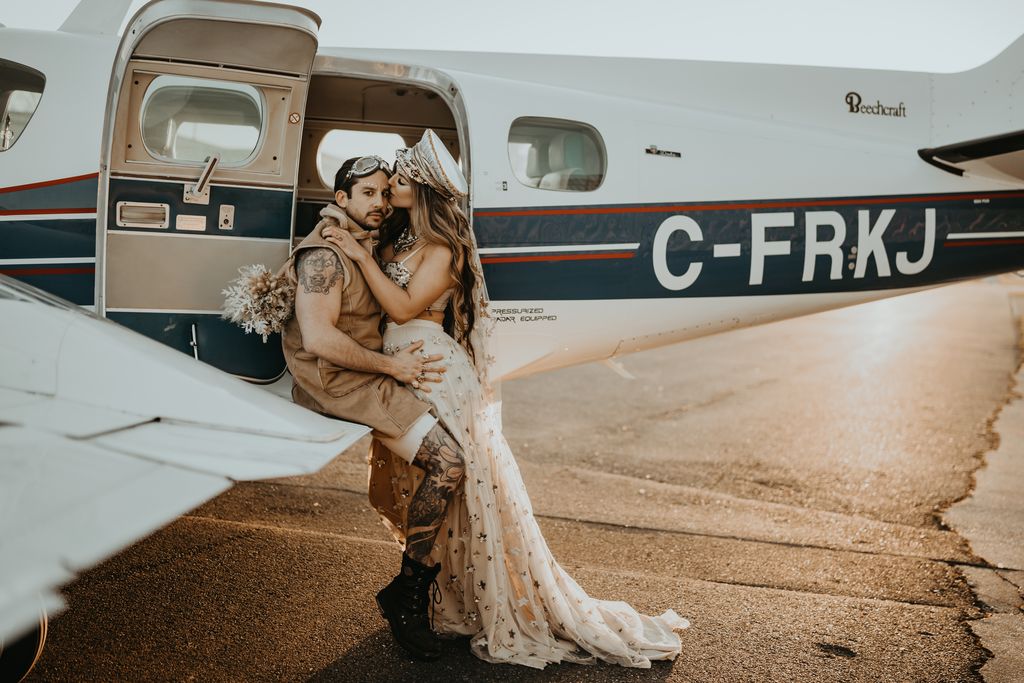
x=730 y=194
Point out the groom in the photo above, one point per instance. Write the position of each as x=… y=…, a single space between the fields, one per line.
x=333 y=349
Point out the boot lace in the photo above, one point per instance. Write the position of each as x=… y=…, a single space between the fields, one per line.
x=435 y=599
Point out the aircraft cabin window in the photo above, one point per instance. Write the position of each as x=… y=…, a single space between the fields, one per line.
x=21 y=88
x=188 y=119
x=339 y=145
x=555 y=154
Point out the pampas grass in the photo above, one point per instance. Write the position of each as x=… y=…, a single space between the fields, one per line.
x=259 y=301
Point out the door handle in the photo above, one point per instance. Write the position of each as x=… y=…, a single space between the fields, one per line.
x=194 y=343
x=142 y=215
x=200 y=192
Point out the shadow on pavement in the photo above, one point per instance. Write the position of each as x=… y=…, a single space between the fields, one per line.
x=377 y=658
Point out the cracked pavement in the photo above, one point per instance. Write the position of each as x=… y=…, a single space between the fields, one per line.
x=782 y=487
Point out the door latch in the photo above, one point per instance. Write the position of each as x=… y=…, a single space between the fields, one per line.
x=200 y=192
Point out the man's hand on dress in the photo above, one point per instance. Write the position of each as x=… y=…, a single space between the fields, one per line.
x=413 y=367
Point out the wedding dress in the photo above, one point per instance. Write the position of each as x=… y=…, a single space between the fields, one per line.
x=499 y=582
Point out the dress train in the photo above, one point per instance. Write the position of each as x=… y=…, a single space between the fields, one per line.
x=499 y=582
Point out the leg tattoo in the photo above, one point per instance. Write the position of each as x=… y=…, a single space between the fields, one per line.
x=444 y=467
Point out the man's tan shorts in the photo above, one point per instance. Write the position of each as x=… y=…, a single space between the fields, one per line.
x=408 y=445
x=397 y=417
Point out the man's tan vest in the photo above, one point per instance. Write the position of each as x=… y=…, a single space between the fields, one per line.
x=371 y=399
x=359 y=319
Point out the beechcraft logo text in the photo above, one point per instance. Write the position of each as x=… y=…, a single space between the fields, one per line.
x=856 y=104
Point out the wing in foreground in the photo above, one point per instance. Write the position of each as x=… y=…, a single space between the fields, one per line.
x=105 y=436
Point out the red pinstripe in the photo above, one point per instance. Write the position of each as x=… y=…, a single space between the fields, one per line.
x=781 y=204
x=48 y=183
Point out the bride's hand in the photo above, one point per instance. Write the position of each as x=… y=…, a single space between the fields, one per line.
x=357 y=234
x=346 y=241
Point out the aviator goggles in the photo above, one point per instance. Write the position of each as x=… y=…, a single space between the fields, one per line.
x=364 y=166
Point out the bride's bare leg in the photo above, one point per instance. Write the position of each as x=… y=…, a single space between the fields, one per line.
x=444 y=467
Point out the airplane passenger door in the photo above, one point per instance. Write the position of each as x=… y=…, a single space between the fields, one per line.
x=198 y=169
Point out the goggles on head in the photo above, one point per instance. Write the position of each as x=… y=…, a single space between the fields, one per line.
x=364 y=166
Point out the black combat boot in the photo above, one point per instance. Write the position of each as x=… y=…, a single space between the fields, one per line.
x=404 y=603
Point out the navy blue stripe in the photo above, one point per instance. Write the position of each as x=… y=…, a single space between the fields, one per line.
x=47 y=238
x=258 y=212
x=79 y=289
x=79 y=194
x=221 y=343
x=762 y=204
x=631 y=222
x=729 y=276
x=535 y=231
x=307 y=215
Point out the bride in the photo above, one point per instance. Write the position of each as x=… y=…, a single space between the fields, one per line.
x=499 y=583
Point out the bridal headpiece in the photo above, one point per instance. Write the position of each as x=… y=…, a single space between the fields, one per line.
x=429 y=162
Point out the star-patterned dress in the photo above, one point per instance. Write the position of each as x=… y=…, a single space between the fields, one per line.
x=499 y=582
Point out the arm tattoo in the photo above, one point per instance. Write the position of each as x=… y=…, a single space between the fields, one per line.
x=319 y=270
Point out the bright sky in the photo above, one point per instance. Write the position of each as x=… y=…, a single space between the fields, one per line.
x=927 y=35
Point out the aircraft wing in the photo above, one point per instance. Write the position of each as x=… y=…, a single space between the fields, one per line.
x=105 y=436
x=1000 y=157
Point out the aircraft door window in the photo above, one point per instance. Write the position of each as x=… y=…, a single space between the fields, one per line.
x=21 y=88
x=188 y=119
x=338 y=145
x=556 y=154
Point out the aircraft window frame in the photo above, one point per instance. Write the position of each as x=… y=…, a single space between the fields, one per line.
x=254 y=92
x=32 y=78
x=543 y=129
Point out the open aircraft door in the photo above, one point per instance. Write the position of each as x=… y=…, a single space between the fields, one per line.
x=198 y=169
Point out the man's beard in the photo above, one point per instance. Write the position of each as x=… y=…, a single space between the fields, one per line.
x=362 y=222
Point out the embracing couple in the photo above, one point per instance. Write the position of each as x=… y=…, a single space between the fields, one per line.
x=442 y=476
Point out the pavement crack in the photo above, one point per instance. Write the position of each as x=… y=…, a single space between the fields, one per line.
x=985 y=654
x=751 y=584
x=626 y=573
x=385 y=543
x=1017 y=587
x=992 y=437
x=836 y=650
x=747 y=539
x=698 y=534
x=713 y=489
x=990 y=434
x=714 y=398
x=291 y=530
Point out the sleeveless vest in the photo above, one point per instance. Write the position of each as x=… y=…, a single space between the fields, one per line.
x=328 y=388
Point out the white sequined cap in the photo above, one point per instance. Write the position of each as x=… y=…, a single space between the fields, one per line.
x=429 y=162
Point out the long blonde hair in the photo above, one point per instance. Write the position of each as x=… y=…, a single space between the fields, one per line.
x=437 y=220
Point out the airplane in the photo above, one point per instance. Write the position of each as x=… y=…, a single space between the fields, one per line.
x=617 y=205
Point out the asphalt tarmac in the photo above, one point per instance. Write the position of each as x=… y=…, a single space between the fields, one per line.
x=782 y=487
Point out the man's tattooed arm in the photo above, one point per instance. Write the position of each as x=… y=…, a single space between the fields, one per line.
x=318 y=302
x=318 y=270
